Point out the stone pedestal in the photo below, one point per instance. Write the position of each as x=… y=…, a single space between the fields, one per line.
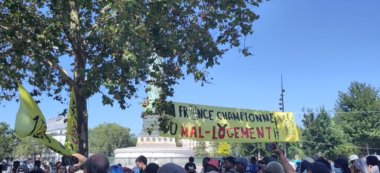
x=157 y=149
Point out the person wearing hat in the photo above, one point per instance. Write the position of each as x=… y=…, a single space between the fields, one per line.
x=351 y=159
x=212 y=166
x=306 y=164
x=229 y=164
x=241 y=164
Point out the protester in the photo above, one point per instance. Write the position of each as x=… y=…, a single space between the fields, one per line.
x=171 y=168
x=306 y=164
x=205 y=160
x=97 y=163
x=60 y=168
x=324 y=162
x=359 y=166
x=16 y=164
x=127 y=170
x=352 y=158
x=20 y=170
x=190 y=167
x=229 y=165
x=37 y=167
x=297 y=163
x=25 y=166
x=273 y=167
x=260 y=166
x=373 y=164
x=252 y=167
x=212 y=166
x=116 y=169
x=241 y=164
x=319 y=167
x=151 y=168
x=341 y=165
x=141 y=163
x=46 y=167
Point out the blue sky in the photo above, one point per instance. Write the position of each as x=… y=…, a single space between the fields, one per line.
x=318 y=46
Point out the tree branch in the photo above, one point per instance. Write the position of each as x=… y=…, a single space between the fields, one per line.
x=63 y=73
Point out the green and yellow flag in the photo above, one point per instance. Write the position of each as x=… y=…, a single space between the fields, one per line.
x=72 y=141
x=31 y=122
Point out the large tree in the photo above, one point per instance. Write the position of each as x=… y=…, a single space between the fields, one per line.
x=7 y=141
x=105 y=138
x=321 y=136
x=110 y=45
x=252 y=149
x=358 y=113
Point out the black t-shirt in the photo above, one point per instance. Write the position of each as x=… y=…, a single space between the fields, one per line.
x=190 y=166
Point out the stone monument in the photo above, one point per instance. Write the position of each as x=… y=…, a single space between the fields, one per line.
x=151 y=145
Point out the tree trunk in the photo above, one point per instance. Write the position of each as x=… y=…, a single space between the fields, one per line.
x=82 y=127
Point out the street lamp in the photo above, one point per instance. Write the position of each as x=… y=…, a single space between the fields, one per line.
x=282 y=109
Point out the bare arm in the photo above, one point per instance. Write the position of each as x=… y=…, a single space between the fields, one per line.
x=284 y=162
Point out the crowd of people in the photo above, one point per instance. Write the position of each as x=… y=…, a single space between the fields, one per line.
x=277 y=163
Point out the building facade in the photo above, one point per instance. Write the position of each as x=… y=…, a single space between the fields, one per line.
x=56 y=127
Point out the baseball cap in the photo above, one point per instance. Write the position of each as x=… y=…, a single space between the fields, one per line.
x=214 y=163
x=353 y=157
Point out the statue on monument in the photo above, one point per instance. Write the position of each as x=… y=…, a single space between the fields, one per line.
x=150 y=117
x=149 y=142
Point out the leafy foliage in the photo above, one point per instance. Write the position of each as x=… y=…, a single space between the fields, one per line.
x=322 y=137
x=105 y=138
x=108 y=46
x=251 y=149
x=295 y=149
x=28 y=147
x=358 y=113
x=7 y=141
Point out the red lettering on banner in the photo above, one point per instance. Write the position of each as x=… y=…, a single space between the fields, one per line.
x=200 y=132
x=244 y=132
x=251 y=132
x=268 y=128
x=213 y=132
x=184 y=131
x=222 y=131
x=193 y=132
x=236 y=129
x=230 y=135
x=260 y=133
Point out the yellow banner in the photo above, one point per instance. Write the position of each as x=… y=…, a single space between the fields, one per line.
x=31 y=122
x=210 y=123
x=72 y=141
